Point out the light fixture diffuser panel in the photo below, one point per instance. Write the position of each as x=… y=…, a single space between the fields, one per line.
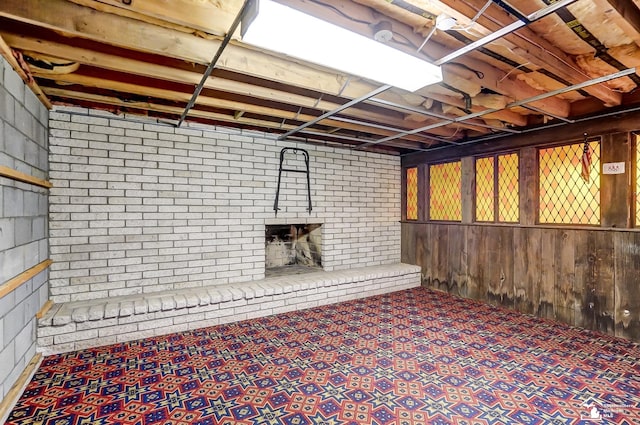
x=283 y=29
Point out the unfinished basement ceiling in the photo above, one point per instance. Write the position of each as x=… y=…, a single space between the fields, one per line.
x=147 y=56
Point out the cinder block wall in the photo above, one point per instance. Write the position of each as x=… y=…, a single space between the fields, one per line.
x=139 y=207
x=23 y=221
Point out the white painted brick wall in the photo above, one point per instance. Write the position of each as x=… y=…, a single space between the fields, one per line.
x=140 y=207
x=23 y=222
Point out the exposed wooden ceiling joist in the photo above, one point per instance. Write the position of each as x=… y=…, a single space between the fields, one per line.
x=147 y=55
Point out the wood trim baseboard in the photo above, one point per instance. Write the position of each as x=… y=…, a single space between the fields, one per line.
x=12 y=396
x=12 y=284
x=26 y=178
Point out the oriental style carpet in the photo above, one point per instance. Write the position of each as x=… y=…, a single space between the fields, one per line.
x=411 y=357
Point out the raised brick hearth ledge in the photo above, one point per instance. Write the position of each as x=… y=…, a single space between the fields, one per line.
x=83 y=324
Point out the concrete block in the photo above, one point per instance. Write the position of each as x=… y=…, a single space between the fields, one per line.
x=7 y=232
x=14 y=84
x=25 y=339
x=7 y=360
x=12 y=199
x=14 y=322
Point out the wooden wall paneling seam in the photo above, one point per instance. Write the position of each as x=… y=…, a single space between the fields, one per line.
x=564 y=300
x=627 y=290
x=23 y=177
x=546 y=304
x=467 y=188
x=403 y=193
x=423 y=192
x=23 y=277
x=605 y=282
x=529 y=187
x=615 y=190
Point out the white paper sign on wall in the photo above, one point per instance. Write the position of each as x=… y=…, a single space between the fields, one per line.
x=613 y=168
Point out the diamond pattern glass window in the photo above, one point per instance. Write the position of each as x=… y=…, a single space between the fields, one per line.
x=569 y=194
x=445 y=193
x=485 y=189
x=497 y=188
x=412 y=193
x=508 y=188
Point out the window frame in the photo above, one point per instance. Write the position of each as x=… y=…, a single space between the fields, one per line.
x=496 y=191
x=540 y=147
x=405 y=197
x=428 y=190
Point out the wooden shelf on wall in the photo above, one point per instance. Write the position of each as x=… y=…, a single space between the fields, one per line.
x=23 y=177
x=23 y=277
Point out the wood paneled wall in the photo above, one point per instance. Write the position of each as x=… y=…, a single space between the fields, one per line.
x=586 y=278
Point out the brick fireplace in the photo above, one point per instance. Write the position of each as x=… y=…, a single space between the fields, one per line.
x=139 y=207
x=292 y=249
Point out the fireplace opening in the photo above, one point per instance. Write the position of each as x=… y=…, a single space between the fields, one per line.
x=293 y=249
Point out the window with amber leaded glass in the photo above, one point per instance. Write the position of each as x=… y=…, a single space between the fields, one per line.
x=412 y=193
x=445 y=193
x=497 y=189
x=569 y=193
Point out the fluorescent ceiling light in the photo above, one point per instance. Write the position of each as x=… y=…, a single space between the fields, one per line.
x=282 y=29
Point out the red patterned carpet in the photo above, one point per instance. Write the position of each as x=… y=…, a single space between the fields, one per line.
x=411 y=357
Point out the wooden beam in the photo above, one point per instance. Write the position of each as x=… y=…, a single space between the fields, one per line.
x=534 y=48
x=598 y=126
x=504 y=115
x=23 y=177
x=196 y=113
x=630 y=13
x=494 y=79
x=23 y=277
x=45 y=308
x=8 y=54
x=500 y=82
x=132 y=66
x=73 y=20
x=204 y=100
x=211 y=17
